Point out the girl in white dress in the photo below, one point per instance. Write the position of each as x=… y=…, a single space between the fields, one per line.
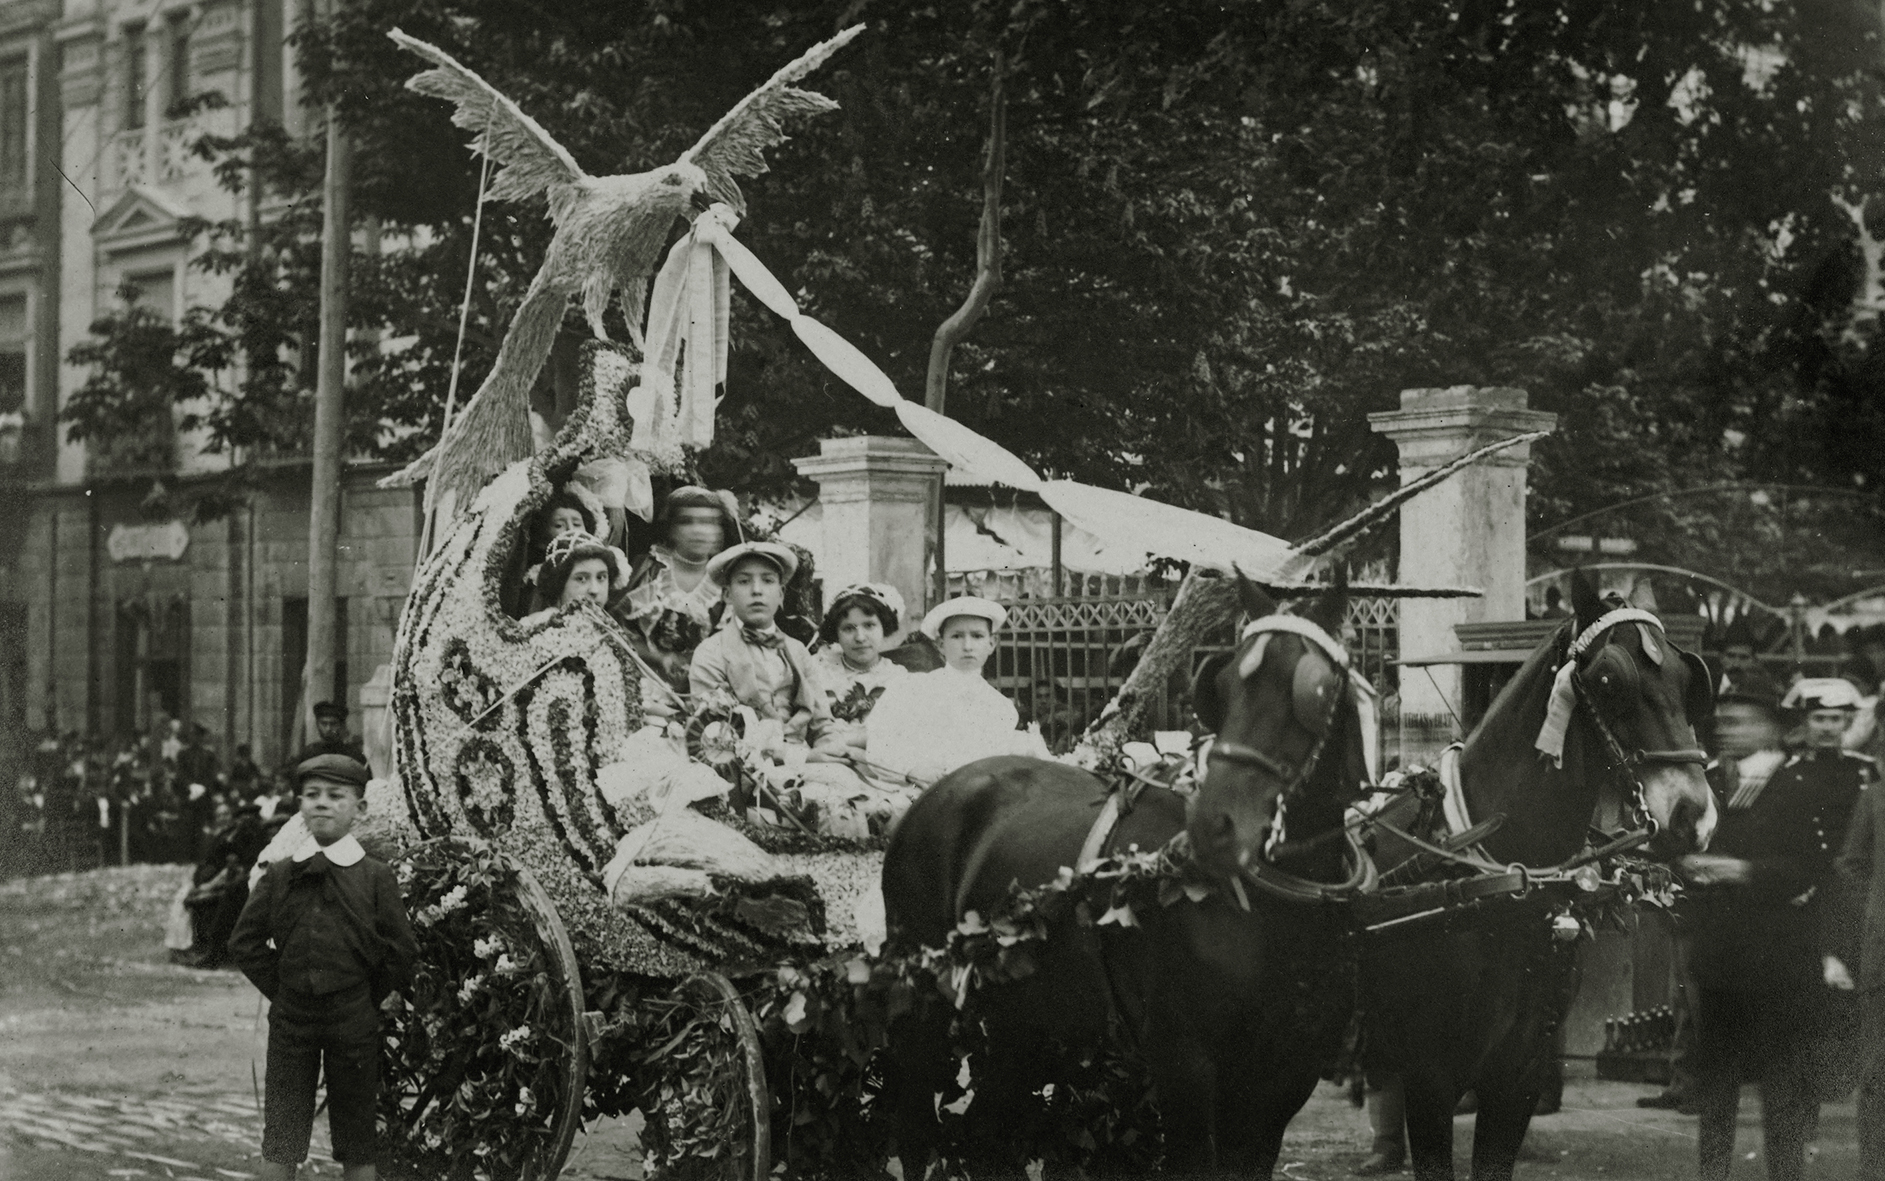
x=852 y=670
x=929 y=724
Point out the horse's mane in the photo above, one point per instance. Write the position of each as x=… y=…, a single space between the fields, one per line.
x=1546 y=808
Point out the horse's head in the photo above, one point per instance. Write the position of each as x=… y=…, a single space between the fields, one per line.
x=1643 y=701
x=1279 y=702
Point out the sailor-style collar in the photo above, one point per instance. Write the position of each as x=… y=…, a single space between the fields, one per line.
x=343 y=852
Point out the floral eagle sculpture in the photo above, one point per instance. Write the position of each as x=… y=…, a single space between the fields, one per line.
x=609 y=232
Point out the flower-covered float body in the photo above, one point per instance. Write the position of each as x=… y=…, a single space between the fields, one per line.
x=529 y=734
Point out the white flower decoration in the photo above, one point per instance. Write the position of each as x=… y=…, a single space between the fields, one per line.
x=515 y=1037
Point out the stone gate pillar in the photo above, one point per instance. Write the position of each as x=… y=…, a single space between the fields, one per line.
x=1468 y=531
x=875 y=494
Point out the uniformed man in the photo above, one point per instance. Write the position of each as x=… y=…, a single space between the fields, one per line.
x=1746 y=741
x=1761 y=938
x=1862 y=865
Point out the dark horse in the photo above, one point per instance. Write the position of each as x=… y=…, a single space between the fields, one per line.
x=1471 y=1002
x=1232 y=1009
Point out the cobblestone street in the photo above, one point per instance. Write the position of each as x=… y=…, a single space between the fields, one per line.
x=115 y=1063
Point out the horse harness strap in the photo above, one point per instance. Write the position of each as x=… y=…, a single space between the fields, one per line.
x=1249 y=756
x=1569 y=693
x=1404 y=904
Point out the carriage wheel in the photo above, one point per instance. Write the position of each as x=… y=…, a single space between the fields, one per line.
x=709 y=1110
x=485 y=1055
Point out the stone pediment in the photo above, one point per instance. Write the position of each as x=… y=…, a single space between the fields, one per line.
x=141 y=218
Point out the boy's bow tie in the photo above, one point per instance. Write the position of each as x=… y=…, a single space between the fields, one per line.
x=766 y=639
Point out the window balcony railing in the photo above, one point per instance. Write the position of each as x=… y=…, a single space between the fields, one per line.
x=157 y=155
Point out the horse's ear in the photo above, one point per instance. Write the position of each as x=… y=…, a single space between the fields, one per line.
x=1256 y=602
x=1331 y=606
x=1586 y=603
x=1357 y=739
x=1698 y=701
x=1205 y=701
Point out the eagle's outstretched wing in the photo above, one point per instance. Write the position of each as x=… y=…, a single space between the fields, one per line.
x=530 y=161
x=734 y=146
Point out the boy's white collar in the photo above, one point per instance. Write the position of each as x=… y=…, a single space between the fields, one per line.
x=343 y=852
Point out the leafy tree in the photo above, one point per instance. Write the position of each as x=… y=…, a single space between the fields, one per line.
x=142 y=368
x=1229 y=231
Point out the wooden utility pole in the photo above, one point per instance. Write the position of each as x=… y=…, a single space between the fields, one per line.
x=329 y=420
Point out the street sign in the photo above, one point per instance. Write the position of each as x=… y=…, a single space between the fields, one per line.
x=159 y=541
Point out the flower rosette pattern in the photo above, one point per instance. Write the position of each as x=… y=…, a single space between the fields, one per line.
x=483 y=1051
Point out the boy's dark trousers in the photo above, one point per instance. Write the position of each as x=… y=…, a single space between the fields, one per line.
x=338 y=1030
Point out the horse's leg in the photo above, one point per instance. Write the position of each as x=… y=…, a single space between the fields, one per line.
x=1185 y=1077
x=1006 y=1081
x=1507 y=1101
x=1430 y=1096
x=1260 y=1120
x=919 y=1065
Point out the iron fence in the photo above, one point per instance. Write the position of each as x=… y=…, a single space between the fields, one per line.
x=1062 y=658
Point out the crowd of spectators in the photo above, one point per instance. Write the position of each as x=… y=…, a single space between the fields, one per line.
x=159 y=796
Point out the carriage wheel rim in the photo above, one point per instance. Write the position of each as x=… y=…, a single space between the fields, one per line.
x=556 y=941
x=758 y=1094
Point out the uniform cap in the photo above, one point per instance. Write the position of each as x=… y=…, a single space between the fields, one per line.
x=1811 y=693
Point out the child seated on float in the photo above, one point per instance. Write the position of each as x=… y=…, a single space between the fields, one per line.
x=669 y=604
x=851 y=665
x=750 y=663
x=928 y=724
x=566 y=513
x=579 y=569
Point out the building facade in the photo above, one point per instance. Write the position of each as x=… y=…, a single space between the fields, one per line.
x=120 y=607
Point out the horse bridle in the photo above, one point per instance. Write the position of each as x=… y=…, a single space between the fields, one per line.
x=1623 y=761
x=1241 y=754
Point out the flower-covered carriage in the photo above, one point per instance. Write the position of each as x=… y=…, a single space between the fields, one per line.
x=600 y=931
x=577 y=916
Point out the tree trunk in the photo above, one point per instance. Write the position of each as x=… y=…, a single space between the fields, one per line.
x=1204 y=601
x=987 y=278
x=329 y=418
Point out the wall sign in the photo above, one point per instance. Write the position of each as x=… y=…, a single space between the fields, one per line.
x=164 y=540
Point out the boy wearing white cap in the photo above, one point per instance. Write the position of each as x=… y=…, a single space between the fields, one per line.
x=928 y=725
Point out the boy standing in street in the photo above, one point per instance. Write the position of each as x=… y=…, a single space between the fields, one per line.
x=325 y=938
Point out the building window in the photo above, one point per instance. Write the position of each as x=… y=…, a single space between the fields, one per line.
x=134 y=77
x=12 y=353
x=156 y=290
x=13 y=115
x=179 y=88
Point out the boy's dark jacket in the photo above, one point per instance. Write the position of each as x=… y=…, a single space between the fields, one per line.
x=332 y=927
